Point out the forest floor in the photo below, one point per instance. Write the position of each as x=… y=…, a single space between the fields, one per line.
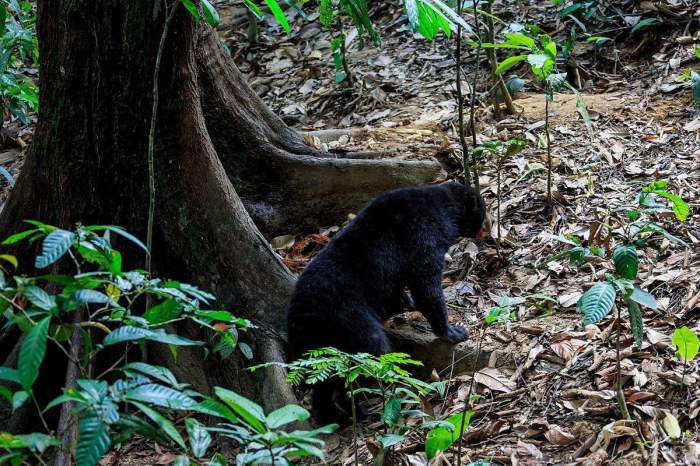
x=555 y=404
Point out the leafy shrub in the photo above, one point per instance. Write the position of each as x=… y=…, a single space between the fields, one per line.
x=139 y=397
x=19 y=53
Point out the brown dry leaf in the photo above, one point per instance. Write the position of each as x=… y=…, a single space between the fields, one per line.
x=616 y=429
x=692 y=456
x=566 y=349
x=528 y=449
x=558 y=436
x=494 y=379
x=597 y=458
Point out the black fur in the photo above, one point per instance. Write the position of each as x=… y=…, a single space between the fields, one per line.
x=359 y=279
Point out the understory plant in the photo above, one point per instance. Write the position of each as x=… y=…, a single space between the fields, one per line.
x=19 y=56
x=95 y=317
x=500 y=150
x=384 y=377
x=623 y=231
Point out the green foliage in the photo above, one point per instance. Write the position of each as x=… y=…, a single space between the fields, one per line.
x=143 y=400
x=443 y=437
x=626 y=261
x=642 y=24
x=578 y=253
x=687 y=344
x=541 y=58
x=383 y=376
x=636 y=322
x=597 y=302
x=19 y=55
x=211 y=16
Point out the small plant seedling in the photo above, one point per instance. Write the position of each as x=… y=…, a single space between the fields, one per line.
x=687 y=346
x=500 y=150
x=629 y=232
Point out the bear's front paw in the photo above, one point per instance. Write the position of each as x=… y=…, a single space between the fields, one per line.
x=455 y=334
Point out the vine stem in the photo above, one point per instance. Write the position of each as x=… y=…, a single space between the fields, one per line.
x=549 y=145
x=460 y=99
x=354 y=424
x=170 y=12
x=472 y=103
x=620 y=395
x=467 y=402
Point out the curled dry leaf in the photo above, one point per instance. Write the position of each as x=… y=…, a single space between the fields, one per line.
x=494 y=379
x=528 y=449
x=558 y=436
x=616 y=429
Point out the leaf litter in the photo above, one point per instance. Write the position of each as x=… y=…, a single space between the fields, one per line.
x=558 y=405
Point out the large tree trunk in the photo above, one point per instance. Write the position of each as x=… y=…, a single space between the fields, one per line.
x=88 y=164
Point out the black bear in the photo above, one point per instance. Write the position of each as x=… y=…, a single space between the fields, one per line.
x=359 y=279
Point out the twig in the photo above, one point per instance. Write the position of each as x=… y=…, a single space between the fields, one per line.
x=460 y=100
x=467 y=402
x=620 y=395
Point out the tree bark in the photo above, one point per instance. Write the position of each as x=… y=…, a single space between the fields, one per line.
x=214 y=137
x=285 y=185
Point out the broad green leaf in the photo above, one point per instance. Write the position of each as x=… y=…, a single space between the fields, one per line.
x=392 y=411
x=31 y=353
x=255 y=9
x=210 y=14
x=55 y=245
x=279 y=15
x=520 y=40
x=549 y=46
x=597 y=302
x=509 y=63
x=541 y=64
x=118 y=230
x=39 y=298
x=642 y=24
x=687 y=344
x=37 y=442
x=93 y=441
x=644 y=298
x=192 y=8
x=679 y=206
x=215 y=408
x=9 y=375
x=626 y=261
x=157 y=372
x=164 y=424
x=441 y=438
x=129 y=333
x=164 y=311
x=247 y=410
x=636 y=322
x=17 y=237
x=160 y=395
x=286 y=415
x=93 y=297
x=325 y=12
x=18 y=399
x=390 y=440
x=199 y=437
